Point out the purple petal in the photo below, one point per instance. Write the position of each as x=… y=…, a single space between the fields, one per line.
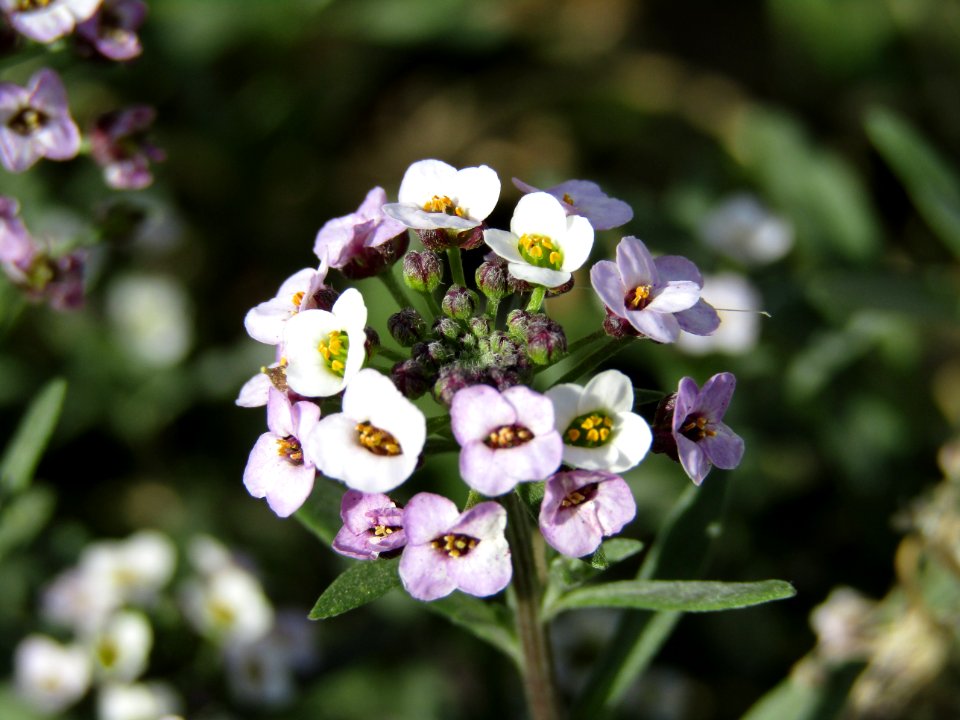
x=715 y=396
x=674 y=296
x=686 y=402
x=477 y=410
x=603 y=211
x=59 y=139
x=694 y=461
x=428 y=516
x=662 y=327
x=533 y=410
x=675 y=267
x=17 y=153
x=487 y=470
x=47 y=92
x=606 y=281
x=355 y=505
x=724 y=449
x=635 y=263
x=423 y=572
x=701 y=319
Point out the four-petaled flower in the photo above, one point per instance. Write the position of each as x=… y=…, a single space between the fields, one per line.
x=505 y=437
x=35 y=122
x=544 y=246
x=277 y=468
x=658 y=297
x=581 y=507
x=448 y=550
x=375 y=443
x=372 y=526
x=584 y=197
x=113 y=29
x=47 y=20
x=600 y=431
x=119 y=144
x=300 y=291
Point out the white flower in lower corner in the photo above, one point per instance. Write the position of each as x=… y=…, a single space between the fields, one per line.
x=121 y=648
x=596 y=422
x=49 y=676
x=325 y=349
x=139 y=701
x=374 y=444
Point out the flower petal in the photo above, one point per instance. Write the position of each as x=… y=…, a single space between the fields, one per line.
x=539 y=214
x=701 y=319
x=577 y=242
x=606 y=281
x=635 y=263
x=504 y=243
x=476 y=411
x=725 y=448
x=609 y=390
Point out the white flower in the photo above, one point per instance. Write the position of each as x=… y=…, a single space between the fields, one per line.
x=265 y=322
x=434 y=196
x=599 y=430
x=228 y=606
x=79 y=600
x=151 y=318
x=122 y=646
x=139 y=701
x=137 y=567
x=544 y=245
x=48 y=675
x=374 y=444
x=738 y=305
x=324 y=350
x=745 y=230
x=208 y=555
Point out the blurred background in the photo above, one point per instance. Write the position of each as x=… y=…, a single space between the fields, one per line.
x=802 y=153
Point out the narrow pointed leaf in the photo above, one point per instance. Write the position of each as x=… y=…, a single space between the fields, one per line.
x=489 y=621
x=24 y=517
x=673 y=595
x=567 y=573
x=361 y=583
x=23 y=452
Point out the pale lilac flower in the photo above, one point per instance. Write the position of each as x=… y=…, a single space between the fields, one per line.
x=35 y=122
x=363 y=243
x=119 y=144
x=580 y=508
x=372 y=525
x=325 y=349
x=544 y=246
x=448 y=550
x=277 y=468
x=600 y=431
x=47 y=20
x=113 y=29
x=265 y=322
x=689 y=427
x=17 y=248
x=585 y=198
x=49 y=676
x=375 y=443
x=436 y=196
x=658 y=297
x=742 y=228
x=505 y=437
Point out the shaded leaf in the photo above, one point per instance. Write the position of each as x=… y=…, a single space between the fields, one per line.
x=489 y=621
x=24 y=517
x=23 y=452
x=361 y=583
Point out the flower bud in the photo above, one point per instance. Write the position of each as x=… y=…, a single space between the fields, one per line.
x=459 y=303
x=561 y=289
x=325 y=297
x=517 y=322
x=493 y=279
x=452 y=379
x=372 y=342
x=617 y=327
x=444 y=327
x=422 y=271
x=406 y=327
x=412 y=378
x=546 y=343
x=480 y=326
x=663 y=439
x=372 y=261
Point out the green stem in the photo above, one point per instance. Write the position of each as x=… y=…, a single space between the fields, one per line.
x=390 y=354
x=396 y=290
x=538 y=679
x=605 y=350
x=433 y=305
x=456 y=266
x=493 y=304
x=585 y=340
x=536 y=299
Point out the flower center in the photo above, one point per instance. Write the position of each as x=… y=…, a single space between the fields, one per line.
x=297 y=299
x=334 y=351
x=27 y=121
x=107 y=653
x=383 y=530
x=638 y=298
x=377 y=441
x=540 y=251
x=289 y=449
x=455 y=545
x=508 y=436
x=589 y=431
x=443 y=204
x=568 y=200
x=28 y=5
x=578 y=497
x=277 y=375
x=696 y=428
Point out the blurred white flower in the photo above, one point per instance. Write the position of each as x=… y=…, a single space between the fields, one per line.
x=743 y=229
x=842 y=625
x=137 y=567
x=151 y=316
x=78 y=600
x=208 y=555
x=139 y=701
x=738 y=305
x=48 y=675
x=229 y=606
x=121 y=648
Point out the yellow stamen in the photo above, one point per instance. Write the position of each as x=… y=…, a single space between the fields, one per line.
x=297 y=299
x=377 y=441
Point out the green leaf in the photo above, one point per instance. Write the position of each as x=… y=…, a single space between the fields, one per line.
x=361 y=583
x=567 y=573
x=799 y=698
x=686 y=596
x=933 y=186
x=23 y=452
x=24 y=517
x=489 y=621
x=320 y=514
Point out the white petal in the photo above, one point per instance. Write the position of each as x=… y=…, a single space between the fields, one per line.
x=504 y=244
x=632 y=439
x=414 y=216
x=350 y=309
x=539 y=276
x=577 y=242
x=477 y=191
x=539 y=214
x=566 y=404
x=610 y=390
x=424 y=179
x=676 y=296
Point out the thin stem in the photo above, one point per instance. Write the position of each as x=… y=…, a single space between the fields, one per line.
x=538 y=679
x=390 y=353
x=604 y=351
x=456 y=266
x=536 y=299
x=493 y=304
x=585 y=340
x=433 y=305
x=396 y=290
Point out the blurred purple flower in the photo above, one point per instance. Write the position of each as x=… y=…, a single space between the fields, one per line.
x=658 y=297
x=118 y=143
x=372 y=525
x=580 y=507
x=113 y=29
x=448 y=550
x=505 y=437
x=585 y=198
x=47 y=20
x=35 y=122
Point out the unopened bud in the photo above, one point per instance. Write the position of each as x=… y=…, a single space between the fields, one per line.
x=412 y=378
x=664 y=440
x=493 y=280
x=459 y=303
x=546 y=344
x=422 y=271
x=406 y=327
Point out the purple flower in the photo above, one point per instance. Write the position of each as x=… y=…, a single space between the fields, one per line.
x=47 y=20
x=35 y=122
x=448 y=550
x=506 y=437
x=17 y=248
x=585 y=198
x=696 y=435
x=363 y=243
x=580 y=507
x=372 y=525
x=276 y=468
x=119 y=145
x=113 y=30
x=659 y=298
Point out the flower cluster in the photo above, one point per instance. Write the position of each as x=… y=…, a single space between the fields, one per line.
x=339 y=403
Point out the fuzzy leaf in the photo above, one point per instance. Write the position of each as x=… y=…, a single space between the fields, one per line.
x=687 y=596
x=31 y=437
x=361 y=583
x=489 y=621
x=567 y=573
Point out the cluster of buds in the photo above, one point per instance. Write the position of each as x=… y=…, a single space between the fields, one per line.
x=477 y=352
